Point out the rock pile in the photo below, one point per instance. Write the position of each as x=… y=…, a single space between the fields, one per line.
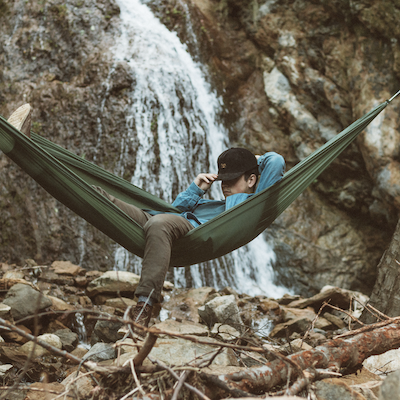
x=80 y=315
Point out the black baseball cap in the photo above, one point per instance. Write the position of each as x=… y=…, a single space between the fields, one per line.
x=234 y=162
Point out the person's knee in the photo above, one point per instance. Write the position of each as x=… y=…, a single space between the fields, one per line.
x=156 y=223
x=174 y=226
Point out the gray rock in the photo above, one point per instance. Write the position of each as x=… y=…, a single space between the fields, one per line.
x=39 y=351
x=5 y=311
x=332 y=389
x=299 y=325
x=68 y=339
x=183 y=352
x=4 y=369
x=390 y=388
x=113 y=282
x=225 y=332
x=222 y=310
x=100 y=352
x=105 y=331
x=182 y=328
x=25 y=301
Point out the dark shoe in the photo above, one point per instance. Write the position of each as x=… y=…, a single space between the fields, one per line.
x=21 y=119
x=141 y=314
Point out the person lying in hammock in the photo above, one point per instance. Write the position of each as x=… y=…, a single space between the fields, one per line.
x=238 y=171
x=241 y=174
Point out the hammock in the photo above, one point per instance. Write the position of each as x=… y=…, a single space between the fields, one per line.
x=68 y=178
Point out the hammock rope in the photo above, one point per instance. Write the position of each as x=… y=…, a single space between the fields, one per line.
x=68 y=178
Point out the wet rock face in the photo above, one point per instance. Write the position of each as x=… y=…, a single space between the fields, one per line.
x=318 y=68
x=55 y=55
x=292 y=75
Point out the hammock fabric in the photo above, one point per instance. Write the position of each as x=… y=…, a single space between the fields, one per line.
x=68 y=178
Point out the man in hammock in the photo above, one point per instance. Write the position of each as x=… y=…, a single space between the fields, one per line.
x=238 y=171
x=241 y=174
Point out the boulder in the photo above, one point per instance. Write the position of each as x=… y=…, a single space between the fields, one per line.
x=66 y=268
x=182 y=328
x=383 y=363
x=185 y=352
x=68 y=339
x=100 y=352
x=336 y=321
x=225 y=332
x=121 y=303
x=14 y=275
x=5 y=311
x=105 y=331
x=335 y=388
x=222 y=309
x=390 y=388
x=39 y=351
x=59 y=304
x=25 y=301
x=113 y=282
x=79 y=384
x=184 y=305
x=4 y=368
x=300 y=325
x=11 y=336
x=336 y=296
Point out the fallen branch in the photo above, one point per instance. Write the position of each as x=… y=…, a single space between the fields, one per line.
x=194 y=390
x=334 y=355
x=145 y=350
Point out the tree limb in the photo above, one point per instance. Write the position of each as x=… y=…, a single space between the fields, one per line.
x=334 y=355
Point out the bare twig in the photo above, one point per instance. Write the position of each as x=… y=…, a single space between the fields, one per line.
x=129 y=394
x=371 y=327
x=139 y=386
x=179 y=384
x=347 y=313
x=172 y=372
x=311 y=327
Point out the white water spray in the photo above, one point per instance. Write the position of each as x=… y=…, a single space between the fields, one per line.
x=172 y=125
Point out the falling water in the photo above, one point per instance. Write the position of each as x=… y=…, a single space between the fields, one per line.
x=172 y=124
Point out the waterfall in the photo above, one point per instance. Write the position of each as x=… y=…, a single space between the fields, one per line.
x=172 y=125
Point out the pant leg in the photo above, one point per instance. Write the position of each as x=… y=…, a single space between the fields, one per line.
x=161 y=230
x=138 y=215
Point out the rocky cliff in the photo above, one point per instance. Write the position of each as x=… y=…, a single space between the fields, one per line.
x=291 y=73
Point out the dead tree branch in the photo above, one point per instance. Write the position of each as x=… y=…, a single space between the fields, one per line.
x=334 y=355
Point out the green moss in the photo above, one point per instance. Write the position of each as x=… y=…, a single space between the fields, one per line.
x=60 y=12
x=37 y=127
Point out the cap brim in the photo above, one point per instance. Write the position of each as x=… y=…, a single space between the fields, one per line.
x=229 y=177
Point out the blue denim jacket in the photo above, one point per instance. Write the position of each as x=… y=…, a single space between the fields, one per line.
x=198 y=210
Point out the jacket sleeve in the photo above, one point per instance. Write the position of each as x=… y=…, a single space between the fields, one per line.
x=188 y=200
x=272 y=167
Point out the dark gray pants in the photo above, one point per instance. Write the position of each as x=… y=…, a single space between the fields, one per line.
x=160 y=231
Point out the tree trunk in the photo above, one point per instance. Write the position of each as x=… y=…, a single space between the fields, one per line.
x=385 y=296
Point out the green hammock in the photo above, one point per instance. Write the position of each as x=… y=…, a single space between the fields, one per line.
x=68 y=178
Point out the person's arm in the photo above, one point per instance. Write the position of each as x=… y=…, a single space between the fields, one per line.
x=188 y=200
x=271 y=166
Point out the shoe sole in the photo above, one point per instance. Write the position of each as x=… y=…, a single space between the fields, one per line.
x=21 y=119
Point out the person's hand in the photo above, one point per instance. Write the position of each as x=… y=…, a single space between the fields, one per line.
x=204 y=181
